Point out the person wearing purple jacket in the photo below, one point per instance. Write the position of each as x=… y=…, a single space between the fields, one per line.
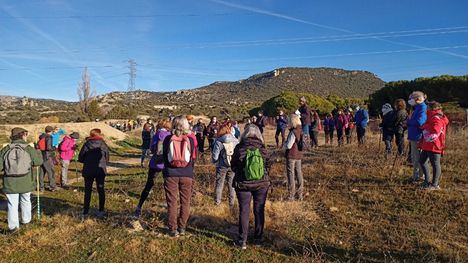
x=156 y=164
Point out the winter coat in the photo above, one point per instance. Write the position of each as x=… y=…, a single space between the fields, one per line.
x=315 y=124
x=306 y=114
x=146 y=138
x=292 y=150
x=434 y=132
x=94 y=155
x=328 y=124
x=50 y=148
x=23 y=184
x=170 y=171
x=240 y=183
x=67 y=148
x=361 y=118
x=212 y=129
x=199 y=129
x=341 y=122
x=261 y=122
x=415 y=121
x=400 y=121
x=158 y=137
x=281 y=122
x=388 y=126
x=56 y=137
x=218 y=154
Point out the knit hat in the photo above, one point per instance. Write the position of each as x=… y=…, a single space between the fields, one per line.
x=49 y=129
x=386 y=108
x=17 y=131
x=75 y=135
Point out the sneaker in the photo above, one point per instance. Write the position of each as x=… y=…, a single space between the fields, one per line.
x=101 y=215
x=84 y=217
x=182 y=231
x=174 y=233
x=13 y=231
x=432 y=188
x=65 y=186
x=241 y=244
x=258 y=241
x=137 y=212
x=425 y=185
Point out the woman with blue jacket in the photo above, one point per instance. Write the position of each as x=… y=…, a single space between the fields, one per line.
x=416 y=119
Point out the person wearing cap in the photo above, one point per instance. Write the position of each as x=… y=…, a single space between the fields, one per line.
x=414 y=123
x=388 y=127
x=361 y=118
x=18 y=187
x=56 y=134
x=48 y=155
x=67 y=150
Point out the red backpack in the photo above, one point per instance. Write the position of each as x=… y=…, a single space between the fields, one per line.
x=41 y=144
x=180 y=151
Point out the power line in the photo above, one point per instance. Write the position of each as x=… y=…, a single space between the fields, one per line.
x=127 y=16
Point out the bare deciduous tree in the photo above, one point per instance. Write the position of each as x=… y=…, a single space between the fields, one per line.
x=85 y=93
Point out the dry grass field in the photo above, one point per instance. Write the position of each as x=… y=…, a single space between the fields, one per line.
x=357 y=208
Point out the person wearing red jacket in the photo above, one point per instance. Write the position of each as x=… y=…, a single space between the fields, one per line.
x=432 y=144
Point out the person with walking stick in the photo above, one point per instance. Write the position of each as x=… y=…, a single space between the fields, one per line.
x=17 y=161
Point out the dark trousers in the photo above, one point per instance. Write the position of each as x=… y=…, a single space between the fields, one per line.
x=47 y=168
x=88 y=181
x=211 y=143
x=329 y=136
x=283 y=136
x=361 y=134
x=348 y=135
x=174 y=187
x=200 y=142
x=314 y=138
x=259 y=199
x=400 y=142
x=148 y=186
x=339 y=134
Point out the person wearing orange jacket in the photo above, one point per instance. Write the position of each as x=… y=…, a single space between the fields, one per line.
x=432 y=144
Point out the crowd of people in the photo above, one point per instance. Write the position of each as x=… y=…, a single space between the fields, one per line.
x=242 y=159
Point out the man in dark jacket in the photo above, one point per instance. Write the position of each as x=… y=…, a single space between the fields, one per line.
x=48 y=155
x=212 y=131
x=261 y=121
x=281 y=126
x=400 y=124
x=306 y=116
x=387 y=126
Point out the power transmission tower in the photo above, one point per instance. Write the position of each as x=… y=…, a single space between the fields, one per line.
x=132 y=74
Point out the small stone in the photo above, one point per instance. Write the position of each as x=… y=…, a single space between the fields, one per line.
x=334 y=209
x=355 y=190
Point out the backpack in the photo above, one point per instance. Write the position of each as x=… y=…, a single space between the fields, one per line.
x=300 y=143
x=41 y=144
x=179 y=154
x=17 y=161
x=229 y=150
x=60 y=146
x=254 y=165
x=159 y=152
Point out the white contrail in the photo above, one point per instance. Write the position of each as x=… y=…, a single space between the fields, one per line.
x=290 y=18
x=32 y=73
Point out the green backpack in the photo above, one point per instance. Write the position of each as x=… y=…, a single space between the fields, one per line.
x=254 y=167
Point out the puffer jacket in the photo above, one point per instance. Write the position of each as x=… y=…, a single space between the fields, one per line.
x=415 y=121
x=240 y=183
x=434 y=132
x=94 y=155
x=218 y=155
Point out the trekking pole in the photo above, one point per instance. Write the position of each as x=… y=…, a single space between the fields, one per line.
x=380 y=138
x=393 y=166
x=38 y=193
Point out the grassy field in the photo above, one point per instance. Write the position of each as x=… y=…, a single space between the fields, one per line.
x=355 y=209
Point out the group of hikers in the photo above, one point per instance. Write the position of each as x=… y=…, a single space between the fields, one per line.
x=242 y=159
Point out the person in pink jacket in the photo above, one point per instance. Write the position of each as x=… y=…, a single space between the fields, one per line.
x=67 y=151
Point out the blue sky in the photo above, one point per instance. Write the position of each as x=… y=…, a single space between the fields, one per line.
x=44 y=44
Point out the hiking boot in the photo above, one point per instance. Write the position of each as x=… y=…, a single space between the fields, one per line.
x=182 y=231
x=425 y=185
x=13 y=231
x=101 y=215
x=173 y=233
x=84 y=217
x=137 y=212
x=433 y=187
x=258 y=241
x=241 y=244
x=65 y=187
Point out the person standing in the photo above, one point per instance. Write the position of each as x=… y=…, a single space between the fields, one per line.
x=348 y=124
x=178 y=149
x=251 y=181
x=18 y=162
x=146 y=135
x=211 y=131
x=387 y=126
x=315 y=127
x=156 y=163
x=261 y=121
x=400 y=124
x=199 y=130
x=361 y=118
x=56 y=134
x=48 y=155
x=306 y=118
x=329 y=128
x=67 y=151
x=293 y=156
x=94 y=155
x=341 y=123
x=432 y=145
x=416 y=119
x=281 y=126
x=222 y=155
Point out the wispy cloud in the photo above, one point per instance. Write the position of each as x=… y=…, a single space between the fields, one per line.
x=14 y=65
x=307 y=22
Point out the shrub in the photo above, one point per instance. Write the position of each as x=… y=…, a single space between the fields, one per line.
x=289 y=102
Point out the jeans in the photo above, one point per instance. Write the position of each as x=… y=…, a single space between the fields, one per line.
x=400 y=142
x=89 y=180
x=283 y=136
x=47 y=167
x=148 y=186
x=64 y=179
x=348 y=135
x=415 y=155
x=361 y=134
x=145 y=153
x=221 y=174
x=436 y=169
x=15 y=200
x=339 y=134
x=294 y=170
x=174 y=187
x=259 y=198
x=305 y=129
